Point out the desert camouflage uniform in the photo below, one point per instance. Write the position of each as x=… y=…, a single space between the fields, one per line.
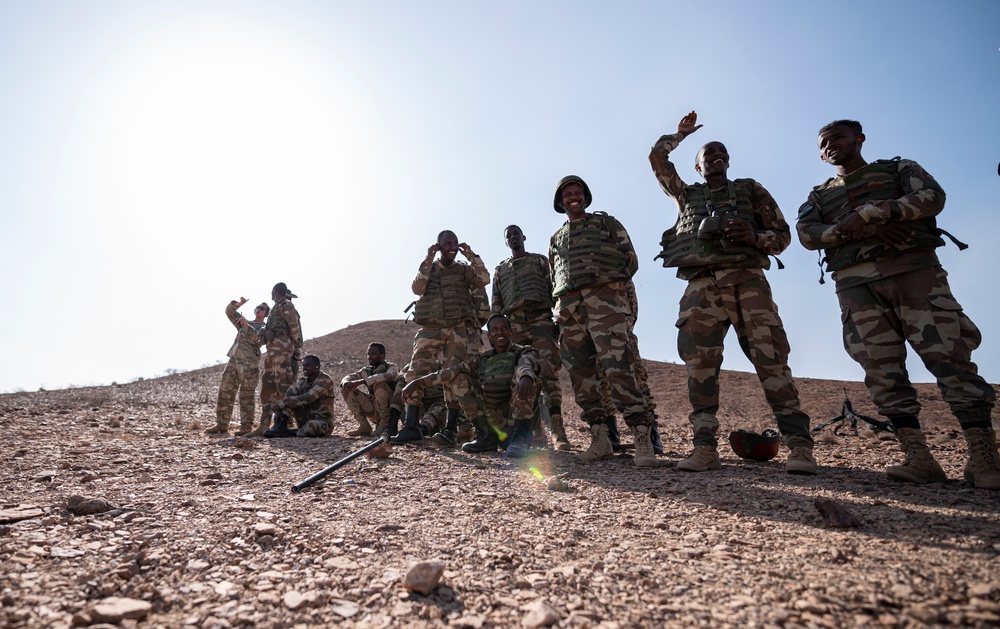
x=447 y=340
x=377 y=400
x=241 y=373
x=283 y=337
x=890 y=295
x=733 y=294
x=593 y=312
x=531 y=317
x=313 y=405
x=638 y=367
x=484 y=385
x=433 y=412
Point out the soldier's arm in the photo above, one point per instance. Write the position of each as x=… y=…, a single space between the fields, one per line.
x=625 y=245
x=423 y=276
x=469 y=367
x=923 y=198
x=292 y=319
x=665 y=171
x=233 y=316
x=496 y=304
x=812 y=231
x=353 y=377
x=389 y=375
x=543 y=265
x=480 y=274
x=310 y=395
x=773 y=233
x=527 y=364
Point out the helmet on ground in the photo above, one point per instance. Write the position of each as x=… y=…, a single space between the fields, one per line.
x=749 y=445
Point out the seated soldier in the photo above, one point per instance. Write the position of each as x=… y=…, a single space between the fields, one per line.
x=380 y=379
x=310 y=401
x=494 y=388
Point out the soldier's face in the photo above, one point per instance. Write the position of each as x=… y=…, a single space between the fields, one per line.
x=499 y=334
x=839 y=145
x=514 y=239
x=713 y=159
x=448 y=244
x=310 y=368
x=375 y=357
x=573 y=198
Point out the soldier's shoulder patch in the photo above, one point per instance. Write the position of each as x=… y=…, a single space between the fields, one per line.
x=805 y=209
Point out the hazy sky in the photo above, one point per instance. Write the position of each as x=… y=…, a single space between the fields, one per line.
x=158 y=159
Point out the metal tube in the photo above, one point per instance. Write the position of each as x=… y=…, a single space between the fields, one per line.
x=299 y=486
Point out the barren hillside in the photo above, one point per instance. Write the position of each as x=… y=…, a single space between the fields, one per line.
x=204 y=532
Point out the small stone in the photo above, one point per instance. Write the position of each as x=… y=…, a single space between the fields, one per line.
x=540 y=614
x=344 y=609
x=81 y=505
x=114 y=609
x=423 y=576
x=556 y=484
x=264 y=528
x=197 y=565
x=295 y=600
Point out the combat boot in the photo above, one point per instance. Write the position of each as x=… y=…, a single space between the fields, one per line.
x=363 y=430
x=265 y=422
x=466 y=431
x=245 y=428
x=486 y=438
x=559 y=431
x=600 y=447
x=800 y=458
x=392 y=427
x=446 y=437
x=644 y=455
x=382 y=425
x=918 y=465
x=701 y=459
x=614 y=436
x=983 y=467
x=654 y=438
x=520 y=439
x=218 y=429
x=411 y=432
x=280 y=428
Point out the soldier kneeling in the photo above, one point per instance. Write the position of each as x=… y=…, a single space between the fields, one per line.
x=310 y=401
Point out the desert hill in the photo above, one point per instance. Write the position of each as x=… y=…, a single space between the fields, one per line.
x=204 y=532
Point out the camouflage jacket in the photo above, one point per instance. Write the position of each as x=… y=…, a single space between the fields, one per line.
x=283 y=332
x=527 y=365
x=621 y=240
x=530 y=285
x=246 y=347
x=383 y=372
x=317 y=397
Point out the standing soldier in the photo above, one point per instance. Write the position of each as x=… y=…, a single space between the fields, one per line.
x=283 y=337
x=242 y=370
x=591 y=258
x=522 y=290
x=380 y=378
x=724 y=234
x=448 y=315
x=876 y=225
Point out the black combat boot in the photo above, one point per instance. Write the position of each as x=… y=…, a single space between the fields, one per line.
x=447 y=436
x=393 y=426
x=520 y=439
x=486 y=438
x=654 y=438
x=614 y=436
x=280 y=428
x=411 y=427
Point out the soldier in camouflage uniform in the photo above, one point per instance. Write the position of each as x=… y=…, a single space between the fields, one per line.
x=242 y=372
x=591 y=259
x=433 y=412
x=448 y=311
x=496 y=388
x=283 y=337
x=522 y=290
x=876 y=224
x=380 y=379
x=724 y=269
x=310 y=401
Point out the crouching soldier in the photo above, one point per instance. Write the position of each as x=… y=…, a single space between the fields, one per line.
x=496 y=388
x=374 y=404
x=310 y=401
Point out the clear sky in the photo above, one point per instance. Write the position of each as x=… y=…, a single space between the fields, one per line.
x=158 y=159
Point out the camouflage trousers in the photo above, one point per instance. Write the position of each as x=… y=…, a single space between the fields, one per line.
x=364 y=403
x=707 y=311
x=312 y=424
x=434 y=417
x=918 y=308
x=449 y=346
x=469 y=394
x=238 y=379
x=538 y=331
x=276 y=377
x=594 y=334
x=641 y=378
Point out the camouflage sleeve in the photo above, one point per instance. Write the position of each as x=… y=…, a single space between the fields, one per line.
x=773 y=233
x=812 y=231
x=469 y=366
x=666 y=172
x=351 y=377
x=234 y=317
x=625 y=245
x=496 y=304
x=527 y=364
x=480 y=274
x=389 y=375
x=423 y=276
x=301 y=395
x=923 y=198
x=294 y=329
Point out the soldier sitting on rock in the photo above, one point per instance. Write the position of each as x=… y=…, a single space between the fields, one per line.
x=310 y=401
x=496 y=388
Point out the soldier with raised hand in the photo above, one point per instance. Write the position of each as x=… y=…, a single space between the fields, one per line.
x=242 y=371
x=310 y=401
x=447 y=313
x=379 y=377
x=283 y=337
x=496 y=388
x=725 y=231
x=591 y=258
x=522 y=290
x=876 y=223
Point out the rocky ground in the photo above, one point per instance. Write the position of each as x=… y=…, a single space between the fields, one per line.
x=118 y=511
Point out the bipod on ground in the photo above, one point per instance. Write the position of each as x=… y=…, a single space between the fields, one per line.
x=847 y=414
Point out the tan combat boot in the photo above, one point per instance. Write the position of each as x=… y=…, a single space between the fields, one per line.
x=244 y=428
x=363 y=430
x=265 y=423
x=702 y=459
x=559 y=432
x=644 y=455
x=918 y=465
x=800 y=458
x=600 y=446
x=983 y=467
x=218 y=429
